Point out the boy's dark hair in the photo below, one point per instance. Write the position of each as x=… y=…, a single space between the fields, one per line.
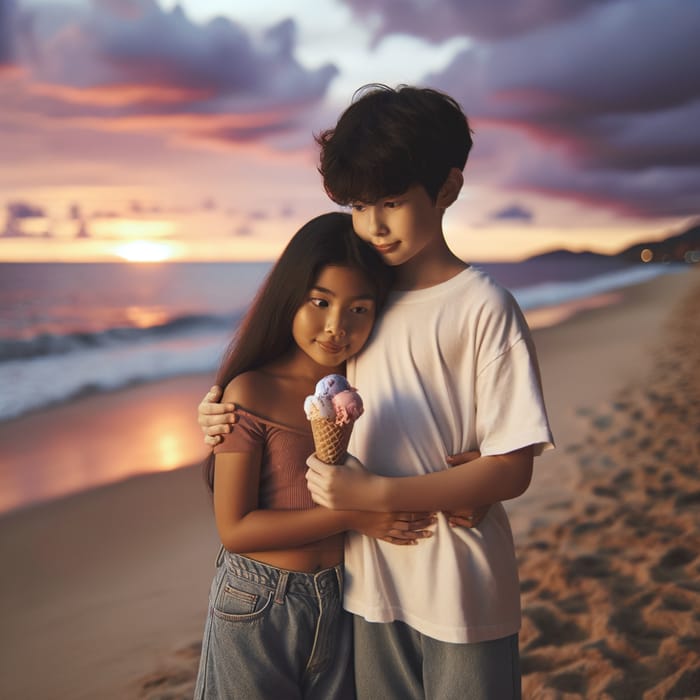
x=265 y=333
x=389 y=139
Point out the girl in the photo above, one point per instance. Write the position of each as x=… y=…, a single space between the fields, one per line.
x=276 y=627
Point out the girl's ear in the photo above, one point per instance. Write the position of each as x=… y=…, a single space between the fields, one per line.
x=450 y=189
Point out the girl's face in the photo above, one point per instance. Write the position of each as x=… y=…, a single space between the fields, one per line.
x=336 y=317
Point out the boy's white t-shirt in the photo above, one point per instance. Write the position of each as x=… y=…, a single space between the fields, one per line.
x=449 y=368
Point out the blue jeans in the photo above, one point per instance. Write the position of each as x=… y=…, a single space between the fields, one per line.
x=395 y=662
x=272 y=633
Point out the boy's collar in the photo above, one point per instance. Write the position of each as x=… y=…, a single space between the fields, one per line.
x=432 y=279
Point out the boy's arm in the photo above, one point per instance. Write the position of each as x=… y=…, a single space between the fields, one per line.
x=487 y=479
x=215 y=419
x=465 y=517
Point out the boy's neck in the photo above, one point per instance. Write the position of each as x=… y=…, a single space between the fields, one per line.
x=428 y=268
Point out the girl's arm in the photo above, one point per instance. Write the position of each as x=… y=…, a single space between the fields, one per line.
x=482 y=481
x=243 y=527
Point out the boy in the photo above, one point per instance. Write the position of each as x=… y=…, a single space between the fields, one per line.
x=449 y=368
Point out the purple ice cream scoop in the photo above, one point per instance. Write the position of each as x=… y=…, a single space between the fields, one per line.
x=331 y=385
x=348 y=406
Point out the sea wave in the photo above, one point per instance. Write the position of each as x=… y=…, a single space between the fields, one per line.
x=46 y=344
x=53 y=368
x=553 y=293
x=33 y=383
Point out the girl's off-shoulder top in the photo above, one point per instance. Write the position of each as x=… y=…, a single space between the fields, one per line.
x=284 y=454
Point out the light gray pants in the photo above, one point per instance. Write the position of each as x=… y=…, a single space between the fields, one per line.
x=395 y=662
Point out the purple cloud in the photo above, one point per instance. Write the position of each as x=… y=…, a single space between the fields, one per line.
x=607 y=92
x=130 y=64
x=612 y=102
x=437 y=20
x=16 y=213
x=514 y=212
x=24 y=210
x=650 y=192
x=7 y=14
x=243 y=230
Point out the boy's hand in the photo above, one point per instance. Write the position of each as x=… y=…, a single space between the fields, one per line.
x=346 y=486
x=465 y=517
x=216 y=419
x=395 y=528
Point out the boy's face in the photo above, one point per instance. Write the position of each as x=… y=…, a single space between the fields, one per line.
x=400 y=227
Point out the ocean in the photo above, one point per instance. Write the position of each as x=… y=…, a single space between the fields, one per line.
x=67 y=329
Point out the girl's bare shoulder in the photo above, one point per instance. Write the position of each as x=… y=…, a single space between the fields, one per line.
x=250 y=389
x=270 y=395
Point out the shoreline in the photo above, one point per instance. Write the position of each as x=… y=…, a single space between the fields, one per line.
x=109 y=586
x=143 y=429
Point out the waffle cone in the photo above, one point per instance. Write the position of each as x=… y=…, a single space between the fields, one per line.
x=330 y=440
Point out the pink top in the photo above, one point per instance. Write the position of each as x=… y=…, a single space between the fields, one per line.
x=284 y=454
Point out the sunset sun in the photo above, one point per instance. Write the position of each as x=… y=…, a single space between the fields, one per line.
x=144 y=251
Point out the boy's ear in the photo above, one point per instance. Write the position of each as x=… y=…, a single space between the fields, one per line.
x=450 y=189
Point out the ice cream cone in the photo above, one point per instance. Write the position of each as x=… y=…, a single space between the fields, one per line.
x=330 y=440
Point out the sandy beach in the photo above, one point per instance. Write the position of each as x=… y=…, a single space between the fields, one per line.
x=611 y=587
x=103 y=594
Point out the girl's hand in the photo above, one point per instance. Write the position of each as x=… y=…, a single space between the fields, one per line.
x=216 y=419
x=395 y=528
x=346 y=486
x=465 y=517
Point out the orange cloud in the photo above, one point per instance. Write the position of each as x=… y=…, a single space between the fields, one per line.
x=136 y=67
x=120 y=95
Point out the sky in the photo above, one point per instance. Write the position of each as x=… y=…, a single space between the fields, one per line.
x=152 y=129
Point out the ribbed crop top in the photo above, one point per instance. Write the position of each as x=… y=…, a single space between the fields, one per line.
x=284 y=454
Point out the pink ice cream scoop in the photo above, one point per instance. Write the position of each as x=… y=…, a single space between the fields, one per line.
x=348 y=406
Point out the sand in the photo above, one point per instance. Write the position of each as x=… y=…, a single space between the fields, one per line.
x=103 y=594
x=611 y=591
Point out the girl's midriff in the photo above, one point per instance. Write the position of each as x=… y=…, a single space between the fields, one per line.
x=308 y=558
